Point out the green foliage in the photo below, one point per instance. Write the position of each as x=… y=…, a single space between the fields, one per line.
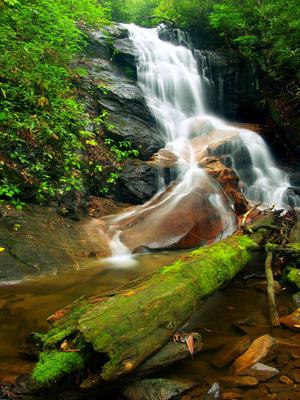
x=122 y=149
x=39 y=115
x=133 y=10
x=266 y=31
x=53 y=365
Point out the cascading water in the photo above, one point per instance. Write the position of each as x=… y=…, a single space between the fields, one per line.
x=172 y=88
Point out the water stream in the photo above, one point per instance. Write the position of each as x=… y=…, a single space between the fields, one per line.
x=173 y=89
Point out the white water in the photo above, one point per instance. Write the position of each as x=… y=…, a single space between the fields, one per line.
x=172 y=88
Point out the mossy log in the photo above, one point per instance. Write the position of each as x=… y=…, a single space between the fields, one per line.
x=122 y=329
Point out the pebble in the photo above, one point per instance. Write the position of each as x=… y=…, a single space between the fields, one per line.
x=261 y=372
x=232 y=396
x=292 y=321
x=238 y=381
x=287 y=380
x=295 y=353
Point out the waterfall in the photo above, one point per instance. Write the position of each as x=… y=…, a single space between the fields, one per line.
x=173 y=89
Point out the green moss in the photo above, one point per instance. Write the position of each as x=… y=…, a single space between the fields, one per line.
x=56 y=335
x=294 y=246
x=54 y=364
x=292 y=276
x=173 y=267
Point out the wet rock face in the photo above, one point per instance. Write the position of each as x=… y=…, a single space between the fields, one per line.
x=37 y=241
x=111 y=86
x=231 y=85
x=138 y=183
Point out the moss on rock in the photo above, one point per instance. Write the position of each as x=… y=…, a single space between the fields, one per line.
x=53 y=365
x=292 y=277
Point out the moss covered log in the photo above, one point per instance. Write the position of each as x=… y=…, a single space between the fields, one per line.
x=124 y=328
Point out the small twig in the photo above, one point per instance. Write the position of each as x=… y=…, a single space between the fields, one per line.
x=248 y=213
x=270 y=288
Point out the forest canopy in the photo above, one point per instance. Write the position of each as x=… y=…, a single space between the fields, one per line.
x=267 y=31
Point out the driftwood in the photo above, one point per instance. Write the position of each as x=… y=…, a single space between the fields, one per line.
x=110 y=336
x=270 y=289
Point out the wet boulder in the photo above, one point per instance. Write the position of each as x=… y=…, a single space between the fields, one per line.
x=155 y=389
x=181 y=217
x=138 y=183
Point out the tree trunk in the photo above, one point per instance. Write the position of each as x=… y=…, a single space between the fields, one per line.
x=122 y=329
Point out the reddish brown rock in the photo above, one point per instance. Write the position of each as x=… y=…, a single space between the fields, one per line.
x=178 y=218
x=257 y=393
x=262 y=349
x=238 y=381
x=295 y=353
x=292 y=321
x=285 y=379
x=231 y=351
x=261 y=372
x=229 y=181
x=232 y=395
x=164 y=158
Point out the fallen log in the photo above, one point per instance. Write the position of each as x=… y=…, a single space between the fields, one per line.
x=126 y=327
x=110 y=335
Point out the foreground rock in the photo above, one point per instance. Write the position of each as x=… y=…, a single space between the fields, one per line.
x=38 y=241
x=155 y=389
x=261 y=372
x=238 y=381
x=262 y=349
x=292 y=321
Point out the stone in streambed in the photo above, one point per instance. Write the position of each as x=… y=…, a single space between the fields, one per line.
x=262 y=286
x=275 y=387
x=213 y=393
x=232 y=395
x=292 y=321
x=261 y=372
x=231 y=351
x=295 y=374
x=238 y=381
x=263 y=348
x=295 y=353
x=155 y=389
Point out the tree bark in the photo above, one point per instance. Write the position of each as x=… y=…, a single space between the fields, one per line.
x=125 y=327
